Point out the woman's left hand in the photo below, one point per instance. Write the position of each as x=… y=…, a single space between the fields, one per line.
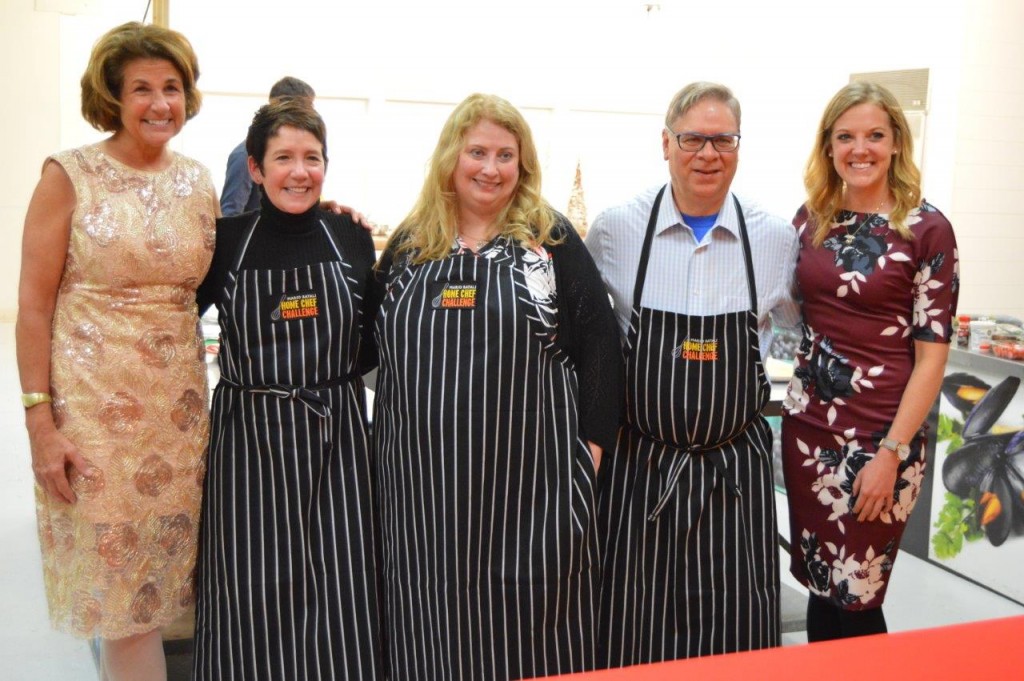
x=339 y=209
x=876 y=483
x=874 y=486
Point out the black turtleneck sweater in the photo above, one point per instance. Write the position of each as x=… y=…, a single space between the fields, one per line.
x=285 y=241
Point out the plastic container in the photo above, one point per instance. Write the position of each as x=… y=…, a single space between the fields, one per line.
x=981 y=333
x=963 y=331
x=1008 y=349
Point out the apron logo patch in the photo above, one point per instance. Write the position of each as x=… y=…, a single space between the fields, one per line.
x=453 y=296
x=296 y=306
x=697 y=349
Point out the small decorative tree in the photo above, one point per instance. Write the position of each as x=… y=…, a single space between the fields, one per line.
x=577 y=212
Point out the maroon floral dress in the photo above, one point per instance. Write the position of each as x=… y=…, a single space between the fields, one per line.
x=866 y=299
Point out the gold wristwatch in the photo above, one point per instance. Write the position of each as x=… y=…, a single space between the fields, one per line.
x=901 y=450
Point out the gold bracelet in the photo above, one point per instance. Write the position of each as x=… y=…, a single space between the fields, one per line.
x=32 y=399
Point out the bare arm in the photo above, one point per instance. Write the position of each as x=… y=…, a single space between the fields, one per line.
x=875 y=482
x=43 y=252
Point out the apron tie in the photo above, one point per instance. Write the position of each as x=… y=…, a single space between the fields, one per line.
x=307 y=395
x=713 y=454
x=675 y=469
x=310 y=399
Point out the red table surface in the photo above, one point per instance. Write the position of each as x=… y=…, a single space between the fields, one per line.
x=961 y=651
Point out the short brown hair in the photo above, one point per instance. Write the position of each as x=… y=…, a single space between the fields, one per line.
x=270 y=118
x=290 y=86
x=104 y=76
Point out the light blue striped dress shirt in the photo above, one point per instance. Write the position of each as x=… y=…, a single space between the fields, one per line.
x=698 y=279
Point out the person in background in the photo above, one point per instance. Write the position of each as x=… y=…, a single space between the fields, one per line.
x=687 y=512
x=287 y=583
x=499 y=387
x=879 y=278
x=117 y=237
x=241 y=194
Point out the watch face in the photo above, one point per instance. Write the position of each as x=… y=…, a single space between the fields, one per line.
x=901 y=451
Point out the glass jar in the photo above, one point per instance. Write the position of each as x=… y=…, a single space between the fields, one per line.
x=963 y=331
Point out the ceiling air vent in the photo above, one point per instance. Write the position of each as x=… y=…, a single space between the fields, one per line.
x=909 y=86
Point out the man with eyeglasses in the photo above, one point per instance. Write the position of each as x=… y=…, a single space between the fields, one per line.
x=687 y=509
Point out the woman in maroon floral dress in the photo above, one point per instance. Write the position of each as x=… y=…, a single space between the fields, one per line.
x=879 y=278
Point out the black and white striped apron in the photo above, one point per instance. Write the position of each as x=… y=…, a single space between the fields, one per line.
x=487 y=495
x=287 y=583
x=687 y=510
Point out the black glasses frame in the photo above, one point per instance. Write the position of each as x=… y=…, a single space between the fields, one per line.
x=724 y=142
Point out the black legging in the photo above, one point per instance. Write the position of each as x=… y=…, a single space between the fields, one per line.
x=826 y=621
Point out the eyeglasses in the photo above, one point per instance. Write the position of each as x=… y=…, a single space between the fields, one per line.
x=694 y=141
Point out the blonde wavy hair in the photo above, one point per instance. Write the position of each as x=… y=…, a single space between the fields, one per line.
x=824 y=186
x=430 y=228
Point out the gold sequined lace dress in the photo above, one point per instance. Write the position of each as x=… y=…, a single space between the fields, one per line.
x=130 y=392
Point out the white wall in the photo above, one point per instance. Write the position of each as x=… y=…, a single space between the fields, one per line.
x=592 y=78
x=988 y=168
x=30 y=121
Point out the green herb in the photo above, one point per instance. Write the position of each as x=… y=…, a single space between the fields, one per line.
x=958 y=520
x=952 y=430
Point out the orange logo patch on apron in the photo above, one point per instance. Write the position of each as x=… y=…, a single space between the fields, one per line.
x=454 y=296
x=296 y=306
x=697 y=349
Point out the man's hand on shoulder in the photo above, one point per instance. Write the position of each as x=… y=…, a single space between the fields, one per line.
x=340 y=209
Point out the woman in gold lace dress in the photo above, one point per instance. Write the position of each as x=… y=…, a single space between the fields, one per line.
x=117 y=236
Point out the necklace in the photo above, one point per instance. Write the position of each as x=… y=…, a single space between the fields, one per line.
x=474 y=242
x=850 y=236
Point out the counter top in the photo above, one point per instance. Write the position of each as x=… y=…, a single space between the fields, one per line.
x=980 y=650
x=984 y=362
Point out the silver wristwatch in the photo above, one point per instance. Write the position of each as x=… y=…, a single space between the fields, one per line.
x=902 y=451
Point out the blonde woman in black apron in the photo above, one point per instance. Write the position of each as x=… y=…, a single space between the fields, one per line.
x=287 y=581
x=688 y=511
x=499 y=387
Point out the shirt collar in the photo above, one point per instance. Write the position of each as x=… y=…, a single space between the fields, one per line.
x=669 y=216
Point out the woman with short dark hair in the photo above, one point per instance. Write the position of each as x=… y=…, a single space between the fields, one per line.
x=287 y=574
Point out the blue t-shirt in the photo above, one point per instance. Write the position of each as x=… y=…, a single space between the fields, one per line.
x=700 y=224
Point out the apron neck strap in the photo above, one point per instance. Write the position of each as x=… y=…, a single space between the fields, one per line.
x=645 y=252
x=244 y=246
x=330 y=238
x=747 y=260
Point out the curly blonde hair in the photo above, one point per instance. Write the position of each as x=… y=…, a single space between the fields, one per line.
x=824 y=186
x=430 y=228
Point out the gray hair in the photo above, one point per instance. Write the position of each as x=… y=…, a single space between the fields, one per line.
x=694 y=93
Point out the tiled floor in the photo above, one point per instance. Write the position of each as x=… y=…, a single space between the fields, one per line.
x=921 y=595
